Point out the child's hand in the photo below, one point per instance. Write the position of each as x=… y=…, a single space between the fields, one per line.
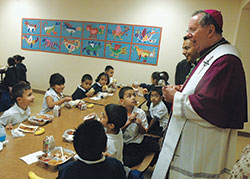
x=106 y=154
x=132 y=117
x=90 y=92
x=138 y=121
x=67 y=99
x=104 y=88
x=9 y=127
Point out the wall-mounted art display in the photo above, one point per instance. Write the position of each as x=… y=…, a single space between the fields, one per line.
x=114 y=41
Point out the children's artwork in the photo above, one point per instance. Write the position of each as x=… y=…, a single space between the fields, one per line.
x=51 y=44
x=31 y=26
x=144 y=54
x=30 y=42
x=124 y=42
x=72 y=46
x=93 y=48
x=117 y=51
x=146 y=35
x=72 y=29
x=94 y=31
x=121 y=33
x=51 y=28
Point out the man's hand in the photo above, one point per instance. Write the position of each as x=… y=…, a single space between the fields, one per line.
x=168 y=92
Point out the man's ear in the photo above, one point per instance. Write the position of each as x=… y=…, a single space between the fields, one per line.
x=211 y=30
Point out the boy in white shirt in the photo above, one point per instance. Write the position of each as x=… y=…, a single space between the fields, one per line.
x=22 y=94
x=114 y=117
x=159 y=115
x=109 y=70
x=136 y=145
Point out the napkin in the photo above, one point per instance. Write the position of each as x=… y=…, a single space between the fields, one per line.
x=31 y=158
x=17 y=133
x=2 y=144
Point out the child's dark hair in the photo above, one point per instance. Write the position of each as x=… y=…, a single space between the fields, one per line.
x=19 y=88
x=56 y=79
x=19 y=58
x=87 y=77
x=108 y=67
x=100 y=75
x=123 y=90
x=90 y=140
x=160 y=76
x=156 y=89
x=117 y=115
x=11 y=61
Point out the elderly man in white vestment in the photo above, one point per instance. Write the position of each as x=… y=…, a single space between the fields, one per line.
x=208 y=109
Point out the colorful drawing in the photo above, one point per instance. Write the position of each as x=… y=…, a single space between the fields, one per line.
x=50 y=29
x=117 y=50
x=144 y=36
x=71 y=45
x=50 y=44
x=31 y=28
x=144 y=53
x=95 y=30
x=30 y=40
x=92 y=48
x=69 y=28
x=118 y=32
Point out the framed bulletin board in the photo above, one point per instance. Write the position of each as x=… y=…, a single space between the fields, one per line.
x=123 y=42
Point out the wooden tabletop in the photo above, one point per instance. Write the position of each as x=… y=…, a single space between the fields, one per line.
x=12 y=167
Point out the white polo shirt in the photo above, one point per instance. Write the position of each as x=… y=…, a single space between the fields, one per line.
x=51 y=92
x=115 y=145
x=131 y=133
x=14 y=115
x=160 y=111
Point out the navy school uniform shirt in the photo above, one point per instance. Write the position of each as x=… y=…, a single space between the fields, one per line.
x=97 y=87
x=110 y=168
x=79 y=93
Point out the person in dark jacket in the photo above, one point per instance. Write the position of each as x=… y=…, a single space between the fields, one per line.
x=22 y=68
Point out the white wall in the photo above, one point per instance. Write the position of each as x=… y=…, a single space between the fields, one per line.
x=172 y=15
x=242 y=43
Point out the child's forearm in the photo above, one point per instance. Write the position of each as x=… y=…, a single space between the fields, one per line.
x=126 y=125
x=151 y=123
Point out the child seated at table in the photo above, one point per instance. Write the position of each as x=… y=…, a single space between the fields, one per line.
x=90 y=142
x=22 y=94
x=136 y=145
x=54 y=95
x=109 y=70
x=82 y=90
x=159 y=115
x=158 y=79
x=114 y=117
x=101 y=83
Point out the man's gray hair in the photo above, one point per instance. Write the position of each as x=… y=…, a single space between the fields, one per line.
x=207 y=19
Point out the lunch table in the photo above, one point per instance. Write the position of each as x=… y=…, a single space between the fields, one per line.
x=12 y=167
